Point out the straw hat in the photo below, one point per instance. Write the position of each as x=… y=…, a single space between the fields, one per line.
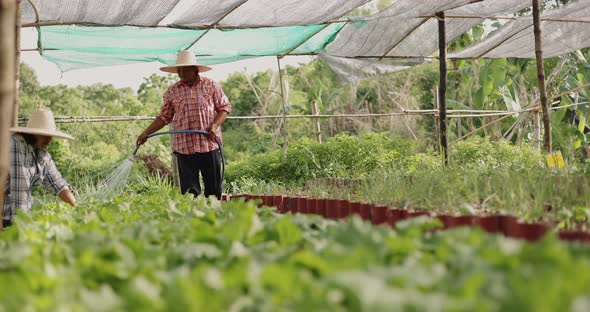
x=42 y=123
x=185 y=58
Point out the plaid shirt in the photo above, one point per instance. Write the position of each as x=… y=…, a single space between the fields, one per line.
x=28 y=169
x=193 y=108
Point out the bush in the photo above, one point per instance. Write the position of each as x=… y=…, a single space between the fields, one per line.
x=485 y=155
x=342 y=156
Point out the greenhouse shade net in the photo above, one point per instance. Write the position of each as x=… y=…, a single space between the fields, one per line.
x=413 y=33
x=516 y=38
x=73 y=47
x=265 y=41
x=225 y=31
x=106 y=12
x=265 y=13
x=354 y=70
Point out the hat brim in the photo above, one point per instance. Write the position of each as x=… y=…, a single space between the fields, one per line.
x=55 y=134
x=173 y=68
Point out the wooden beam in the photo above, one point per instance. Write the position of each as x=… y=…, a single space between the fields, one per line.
x=7 y=68
x=442 y=93
x=17 y=26
x=541 y=74
x=284 y=109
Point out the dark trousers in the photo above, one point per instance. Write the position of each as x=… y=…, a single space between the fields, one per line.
x=208 y=164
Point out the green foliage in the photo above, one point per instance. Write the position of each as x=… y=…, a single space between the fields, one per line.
x=486 y=156
x=149 y=94
x=167 y=252
x=356 y=157
x=244 y=140
x=242 y=94
x=340 y=156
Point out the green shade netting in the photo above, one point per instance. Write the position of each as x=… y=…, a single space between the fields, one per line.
x=320 y=40
x=83 y=47
x=265 y=41
x=74 y=47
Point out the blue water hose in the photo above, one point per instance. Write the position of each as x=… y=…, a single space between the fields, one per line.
x=190 y=131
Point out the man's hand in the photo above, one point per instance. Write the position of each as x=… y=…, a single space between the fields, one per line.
x=213 y=131
x=141 y=138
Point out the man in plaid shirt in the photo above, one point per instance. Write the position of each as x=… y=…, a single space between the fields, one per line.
x=31 y=165
x=193 y=103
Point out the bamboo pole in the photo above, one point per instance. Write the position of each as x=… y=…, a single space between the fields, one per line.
x=436 y=123
x=442 y=95
x=541 y=74
x=283 y=100
x=456 y=87
x=14 y=122
x=174 y=160
x=318 y=128
x=451 y=113
x=7 y=69
x=537 y=130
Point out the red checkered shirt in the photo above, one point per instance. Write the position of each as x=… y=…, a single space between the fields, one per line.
x=193 y=108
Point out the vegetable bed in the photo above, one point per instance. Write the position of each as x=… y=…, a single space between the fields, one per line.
x=168 y=252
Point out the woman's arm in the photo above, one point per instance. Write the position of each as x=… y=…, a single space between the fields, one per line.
x=67 y=197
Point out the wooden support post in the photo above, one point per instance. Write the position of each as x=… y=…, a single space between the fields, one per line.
x=174 y=162
x=17 y=63
x=284 y=100
x=7 y=95
x=541 y=74
x=316 y=114
x=436 y=122
x=537 y=129
x=442 y=94
x=457 y=78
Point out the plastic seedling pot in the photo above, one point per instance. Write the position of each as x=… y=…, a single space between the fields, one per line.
x=311 y=205
x=394 y=215
x=379 y=214
x=332 y=208
x=448 y=221
x=490 y=224
x=466 y=220
x=343 y=209
x=321 y=207
x=302 y=205
x=532 y=231
x=285 y=204
x=365 y=211
x=509 y=225
x=354 y=208
x=414 y=214
x=581 y=236
x=294 y=205
x=277 y=201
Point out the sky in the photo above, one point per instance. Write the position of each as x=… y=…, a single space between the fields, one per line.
x=132 y=75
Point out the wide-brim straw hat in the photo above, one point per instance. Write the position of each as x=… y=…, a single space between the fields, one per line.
x=42 y=123
x=183 y=59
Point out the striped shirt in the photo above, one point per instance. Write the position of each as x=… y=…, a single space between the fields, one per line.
x=27 y=170
x=193 y=108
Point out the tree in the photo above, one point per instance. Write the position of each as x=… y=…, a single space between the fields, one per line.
x=28 y=90
x=150 y=94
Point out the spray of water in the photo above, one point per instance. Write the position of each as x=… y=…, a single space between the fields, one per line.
x=116 y=181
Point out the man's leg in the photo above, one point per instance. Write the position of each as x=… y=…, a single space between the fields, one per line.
x=211 y=171
x=188 y=172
